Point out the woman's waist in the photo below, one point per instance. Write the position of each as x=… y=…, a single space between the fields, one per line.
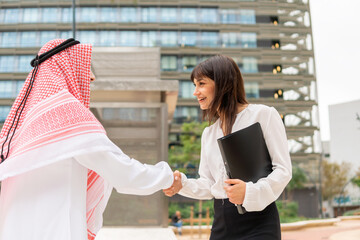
x=225 y=203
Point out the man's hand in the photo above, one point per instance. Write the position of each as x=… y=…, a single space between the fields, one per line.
x=236 y=191
x=176 y=187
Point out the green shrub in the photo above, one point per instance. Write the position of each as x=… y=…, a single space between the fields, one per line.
x=288 y=211
x=352 y=212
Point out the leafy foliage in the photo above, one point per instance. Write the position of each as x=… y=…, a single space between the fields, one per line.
x=297 y=181
x=187 y=153
x=288 y=212
x=335 y=177
x=354 y=212
x=356 y=179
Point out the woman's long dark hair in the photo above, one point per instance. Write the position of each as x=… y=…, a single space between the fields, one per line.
x=229 y=89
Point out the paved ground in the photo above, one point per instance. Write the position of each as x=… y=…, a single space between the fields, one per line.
x=344 y=230
x=339 y=231
x=194 y=237
x=140 y=233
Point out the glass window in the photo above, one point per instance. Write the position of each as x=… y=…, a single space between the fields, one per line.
x=208 y=15
x=186 y=114
x=228 y=16
x=188 y=15
x=203 y=58
x=109 y=14
x=252 y=89
x=149 y=14
x=4 y=112
x=169 y=39
x=108 y=38
x=130 y=114
x=30 y=15
x=168 y=63
x=188 y=39
x=2 y=15
x=88 y=14
x=7 y=89
x=187 y=89
x=9 y=39
x=149 y=39
x=24 y=63
x=188 y=63
x=7 y=63
x=65 y=34
x=11 y=15
x=247 y=16
x=229 y=40
x=19 y=86
x=46 y=36
x=128 y=39
x=168 y=15
x=249 y=65
x=50 y=15
x=248 y=40
x=209 y=39
x=28 y=39
x=66 y=15
x=128 y=14
x=87 y=37
x=10 y=89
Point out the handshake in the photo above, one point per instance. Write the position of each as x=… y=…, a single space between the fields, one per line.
x=176 y=187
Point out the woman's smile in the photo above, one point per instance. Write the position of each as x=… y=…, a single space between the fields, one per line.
x=204 y=92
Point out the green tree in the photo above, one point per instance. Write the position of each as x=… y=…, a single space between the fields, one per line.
x=187 y=153
x=335 y=177
x=297 y=181
x=356 y=179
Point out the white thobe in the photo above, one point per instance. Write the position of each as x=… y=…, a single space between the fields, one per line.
x=49 y=203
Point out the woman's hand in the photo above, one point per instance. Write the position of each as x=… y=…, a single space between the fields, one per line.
x=235 y=190
x=176 y=187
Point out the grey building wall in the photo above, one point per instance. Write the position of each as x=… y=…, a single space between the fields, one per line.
x=132 y=103
x=308 y=200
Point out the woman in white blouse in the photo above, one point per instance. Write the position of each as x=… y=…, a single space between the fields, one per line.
x=219 y=89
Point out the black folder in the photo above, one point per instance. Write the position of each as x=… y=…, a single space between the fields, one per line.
x=245 y=155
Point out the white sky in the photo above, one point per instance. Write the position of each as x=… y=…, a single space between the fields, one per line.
x=336 y=33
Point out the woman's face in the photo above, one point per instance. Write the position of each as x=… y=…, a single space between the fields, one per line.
x=92 y=76
x=204 y=91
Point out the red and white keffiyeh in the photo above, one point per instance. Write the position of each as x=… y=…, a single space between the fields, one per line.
x=57 y=110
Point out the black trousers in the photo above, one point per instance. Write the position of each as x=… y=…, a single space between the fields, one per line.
x=230 y=225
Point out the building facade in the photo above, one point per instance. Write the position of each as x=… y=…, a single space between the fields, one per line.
x=270 y=40
x=135 y=106
x=344 y=142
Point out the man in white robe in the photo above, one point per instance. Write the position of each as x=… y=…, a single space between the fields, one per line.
x=58 y=172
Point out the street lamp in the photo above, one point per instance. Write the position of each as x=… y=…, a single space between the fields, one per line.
x=73 y=19
x=342 y=192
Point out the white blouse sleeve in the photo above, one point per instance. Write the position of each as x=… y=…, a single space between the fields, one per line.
x=128 y=175
x=265 y=191
x=199 y=188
